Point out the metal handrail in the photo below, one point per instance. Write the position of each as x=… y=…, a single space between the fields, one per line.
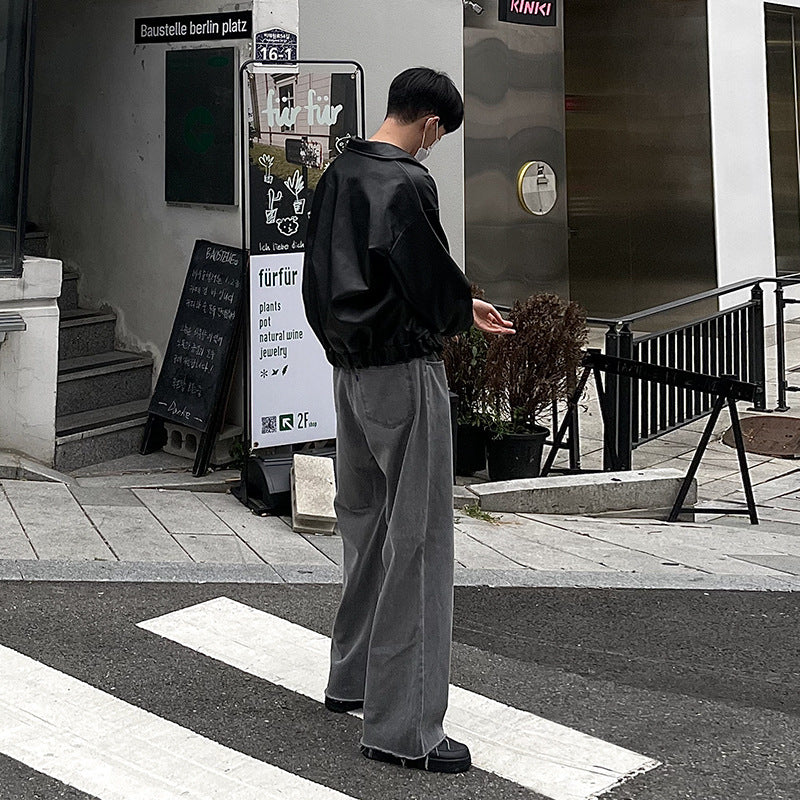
x=720 y=291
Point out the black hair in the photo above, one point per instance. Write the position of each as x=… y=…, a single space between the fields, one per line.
x=420 y=91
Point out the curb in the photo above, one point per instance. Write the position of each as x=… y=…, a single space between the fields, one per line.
x=299 y=574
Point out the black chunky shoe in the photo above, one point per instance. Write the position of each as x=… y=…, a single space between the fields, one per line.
x=448 y=756
x=342 y=706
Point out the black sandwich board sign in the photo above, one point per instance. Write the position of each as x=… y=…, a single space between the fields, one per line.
x=198 y=365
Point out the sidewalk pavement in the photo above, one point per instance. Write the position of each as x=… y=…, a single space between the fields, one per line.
x=55 y=531
x=110 y=522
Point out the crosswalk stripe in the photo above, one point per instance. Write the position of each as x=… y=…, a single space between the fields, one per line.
x=545 y=756
x=110 y=749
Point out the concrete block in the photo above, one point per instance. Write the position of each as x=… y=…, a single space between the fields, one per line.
x=585 y=494
x=182 y=441
x=463 y=496
x=313 y=493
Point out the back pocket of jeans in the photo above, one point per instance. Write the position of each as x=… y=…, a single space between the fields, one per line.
x=386 y=394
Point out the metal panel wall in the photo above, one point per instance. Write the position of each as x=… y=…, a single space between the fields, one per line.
x=638 y=134
x=514 y=100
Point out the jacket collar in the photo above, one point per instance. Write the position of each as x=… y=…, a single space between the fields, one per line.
x=383 y=150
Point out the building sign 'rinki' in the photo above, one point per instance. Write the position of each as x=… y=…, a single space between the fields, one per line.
x=528 y=12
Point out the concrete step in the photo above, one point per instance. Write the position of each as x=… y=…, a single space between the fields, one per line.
x=105 y=379
x=102 y=434
x=69 y=292
x=85 y=333
x=643 y=493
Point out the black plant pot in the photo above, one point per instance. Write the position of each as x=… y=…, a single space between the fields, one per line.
x=516 y=455
x=470 y=449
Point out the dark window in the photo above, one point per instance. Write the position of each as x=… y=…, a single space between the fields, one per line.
x=15 y=68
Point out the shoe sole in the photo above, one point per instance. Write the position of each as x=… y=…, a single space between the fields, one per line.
x=342 y=706
x=427 y=763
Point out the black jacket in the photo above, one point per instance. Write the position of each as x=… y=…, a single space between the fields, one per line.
x=379 y=285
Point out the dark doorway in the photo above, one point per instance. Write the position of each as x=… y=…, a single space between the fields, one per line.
x=16 y=23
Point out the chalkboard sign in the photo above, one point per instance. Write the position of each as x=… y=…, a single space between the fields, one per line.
x=198 y=363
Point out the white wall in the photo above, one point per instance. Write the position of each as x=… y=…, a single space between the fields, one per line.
x=97 y=169
x=386 y=38
x=29 y=361
x=740 y=139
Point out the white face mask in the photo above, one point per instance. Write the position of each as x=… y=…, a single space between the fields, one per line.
x=423 y=151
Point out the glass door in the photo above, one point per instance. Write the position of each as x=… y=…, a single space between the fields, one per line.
x=782 y=87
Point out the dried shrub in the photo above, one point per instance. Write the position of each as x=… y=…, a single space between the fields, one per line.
x=526 y=372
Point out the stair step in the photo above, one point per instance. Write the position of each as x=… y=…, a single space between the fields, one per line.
x=104 y=379
x=85 y=333
x=68 y=301
x=108 y=444
x=85 y=424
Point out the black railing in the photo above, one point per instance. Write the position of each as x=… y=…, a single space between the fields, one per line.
x=728 y=342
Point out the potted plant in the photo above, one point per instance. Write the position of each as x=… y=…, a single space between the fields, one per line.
x=464 y=361
x=296 y=184
x=524 y=375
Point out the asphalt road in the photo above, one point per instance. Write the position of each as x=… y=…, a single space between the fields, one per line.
x=708 y=683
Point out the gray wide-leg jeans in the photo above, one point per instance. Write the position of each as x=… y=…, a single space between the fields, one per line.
x=394 y=502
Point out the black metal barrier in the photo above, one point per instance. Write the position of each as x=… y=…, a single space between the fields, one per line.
x=722 y=391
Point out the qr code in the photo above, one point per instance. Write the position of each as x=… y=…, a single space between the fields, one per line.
x=269 y=424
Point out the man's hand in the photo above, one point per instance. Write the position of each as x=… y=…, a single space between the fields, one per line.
x=487 y=318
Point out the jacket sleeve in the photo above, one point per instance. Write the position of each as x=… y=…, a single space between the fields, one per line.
x=430 y=280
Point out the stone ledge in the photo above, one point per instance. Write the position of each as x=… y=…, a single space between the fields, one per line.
x=594 y=493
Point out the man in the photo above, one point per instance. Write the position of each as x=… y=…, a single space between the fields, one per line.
x=380 y=291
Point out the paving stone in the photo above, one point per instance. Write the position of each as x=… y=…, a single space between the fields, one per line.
x=789 y=564
x=270 y=537
x=105 y=497
x=182 y=512
x=521 y=546
x=785 y=528
x=697 y=556
x=788 y=501
x=474 y=554
x=134 y=534
x=13 y=541
x=330 y=546
x=54 y=522
x=214 y=548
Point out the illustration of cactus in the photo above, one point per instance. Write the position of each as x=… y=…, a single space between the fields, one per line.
x=295 y=185
x=267 y=161
x=273 y=198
